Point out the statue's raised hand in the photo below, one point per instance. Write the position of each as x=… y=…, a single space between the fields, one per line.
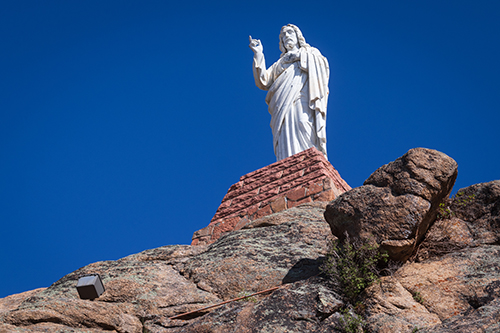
x=255 y=45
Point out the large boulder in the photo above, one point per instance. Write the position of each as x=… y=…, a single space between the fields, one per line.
x=397 y=203
x=283 y=247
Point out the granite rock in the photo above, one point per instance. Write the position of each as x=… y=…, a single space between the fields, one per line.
x=397 y=203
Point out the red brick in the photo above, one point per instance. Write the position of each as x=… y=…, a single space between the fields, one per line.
x=266 y=182
x=253 y=173
x=327 y=183
x=287 y=179
x=264 y=211
x=231 y=210
x=245 y=196
x=223 y=227
x=241 y=223
x=315 y=167
x=314 y=188
x=225 y=204
x=295 y=169
x=296 y=194
x=313 y=151
x=235 y=193
x=258 y=174
x=230 y=222
x=270 y=199
x=261 y=197
x=203 y=232
x=269 y=187
x=252 y=209
x=253 y=186
x=279 y=204
x=285 y=187
x=310 y=176
x=274 y=176
x=235 y=186
x=296 y=203
x=327 y=195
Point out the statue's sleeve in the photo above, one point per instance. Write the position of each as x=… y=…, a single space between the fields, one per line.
x=316 y=65
x=318 y=70
x=263 y=77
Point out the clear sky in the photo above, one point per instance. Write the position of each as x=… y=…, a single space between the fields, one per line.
x=123 y=123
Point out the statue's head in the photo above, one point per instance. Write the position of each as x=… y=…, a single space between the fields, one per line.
x=301 y=41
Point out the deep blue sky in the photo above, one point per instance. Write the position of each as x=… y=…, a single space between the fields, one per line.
x=123 y=123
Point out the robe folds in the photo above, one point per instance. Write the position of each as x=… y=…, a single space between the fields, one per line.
x=297 y=98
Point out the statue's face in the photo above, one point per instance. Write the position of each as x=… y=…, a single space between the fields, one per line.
x=289 y=39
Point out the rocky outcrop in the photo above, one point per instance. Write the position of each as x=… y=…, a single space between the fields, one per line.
x=463 y=284
x=472 y=219
x=145 y=289
x=397 y=203
x=451 y=283
x=303 y=306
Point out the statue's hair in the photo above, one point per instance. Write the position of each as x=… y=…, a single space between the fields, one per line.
x=300 y=38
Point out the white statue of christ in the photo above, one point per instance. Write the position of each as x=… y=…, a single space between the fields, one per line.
x=297 y=97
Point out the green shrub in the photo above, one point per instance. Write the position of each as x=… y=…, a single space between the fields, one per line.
x=418 y=297
x=459 y=200
x=350 y=323
x=353 y=265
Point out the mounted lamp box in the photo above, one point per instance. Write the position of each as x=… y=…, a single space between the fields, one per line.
x=90 y=286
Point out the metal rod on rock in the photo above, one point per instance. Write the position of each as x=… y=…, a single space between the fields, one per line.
x=222 y=303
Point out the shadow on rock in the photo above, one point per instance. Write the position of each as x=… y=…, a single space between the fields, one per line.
x=303 y=269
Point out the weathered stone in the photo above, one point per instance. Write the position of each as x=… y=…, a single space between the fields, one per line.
x=473 y=219
x=398 y=202
x=455 y=283
x=143 y=284
x=298 y=307
x=484 y=319
x=423 y=172
x=278 y=248
x=441 y=295
x=479 y=206
x=11 y=302
x=390 y=308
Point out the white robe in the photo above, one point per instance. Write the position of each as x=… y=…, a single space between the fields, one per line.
x=297 y=98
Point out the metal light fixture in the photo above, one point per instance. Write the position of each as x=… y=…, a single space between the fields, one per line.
x=90 y=286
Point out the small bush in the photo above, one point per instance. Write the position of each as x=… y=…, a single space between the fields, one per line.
x=353 y=265
x=418 y=297
x=459 y=200
x=350 y=323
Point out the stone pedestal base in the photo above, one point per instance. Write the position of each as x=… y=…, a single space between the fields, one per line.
x=303 y=177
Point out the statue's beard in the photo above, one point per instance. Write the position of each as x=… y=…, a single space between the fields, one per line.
x=289 y=45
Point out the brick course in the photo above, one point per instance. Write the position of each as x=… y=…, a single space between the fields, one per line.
x=303 y=177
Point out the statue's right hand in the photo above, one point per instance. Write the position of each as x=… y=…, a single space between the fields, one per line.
x=255 y=45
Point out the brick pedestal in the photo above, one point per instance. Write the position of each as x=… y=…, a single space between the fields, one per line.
x=303 y=177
